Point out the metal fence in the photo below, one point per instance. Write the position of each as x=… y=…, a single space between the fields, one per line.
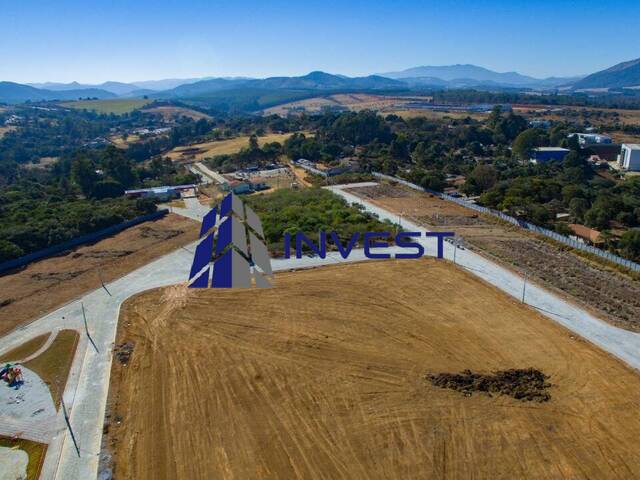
x=520 y=223
x=88 y=238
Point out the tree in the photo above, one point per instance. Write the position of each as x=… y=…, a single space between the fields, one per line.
x=482 y=178
x=83 y=174
x=118 y=166
x=9 y=250
x=630 y=244
x=578 y=207
x=527 y=141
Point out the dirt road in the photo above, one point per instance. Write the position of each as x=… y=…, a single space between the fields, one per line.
x=324 y=377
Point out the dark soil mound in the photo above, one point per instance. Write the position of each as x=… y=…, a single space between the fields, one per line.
x=522 y=384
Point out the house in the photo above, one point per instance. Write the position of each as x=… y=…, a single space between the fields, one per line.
x=585 y=139
x=546 y=154
x=608 y=152
x=584 y=234
x=539 y=124
x=629 y=158
x=162 y=193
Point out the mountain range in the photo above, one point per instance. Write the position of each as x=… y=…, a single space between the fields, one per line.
x=623 y=75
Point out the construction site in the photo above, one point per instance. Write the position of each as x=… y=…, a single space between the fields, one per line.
x=331 y=375
x=488 y=363
x=607 y=291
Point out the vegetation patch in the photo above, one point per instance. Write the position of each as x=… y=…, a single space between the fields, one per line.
x=34 y=450
x=522 y=384
x=117 y=106
x=311 y=210
x=24 y=350
x=53 y=365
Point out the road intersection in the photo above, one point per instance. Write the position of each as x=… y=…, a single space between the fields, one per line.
x=85 y=396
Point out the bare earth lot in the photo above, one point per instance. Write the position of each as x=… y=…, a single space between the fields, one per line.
x=47 y=284
x=324 y=376
x=607 y=292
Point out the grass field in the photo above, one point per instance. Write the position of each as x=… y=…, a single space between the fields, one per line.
x=200 y=151
x=324 y=376
x=34 y=450
x=351 y=101
x=118 y=141
x=168 y=112
x=24 y=350
x=53 y=365
x=117 y=106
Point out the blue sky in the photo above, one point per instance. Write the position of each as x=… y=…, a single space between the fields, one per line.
x=94 y=41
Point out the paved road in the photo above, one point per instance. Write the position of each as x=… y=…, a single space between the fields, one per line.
x=621 y=343
x=86 y=393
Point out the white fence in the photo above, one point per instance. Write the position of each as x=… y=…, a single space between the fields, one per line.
x=521 y=223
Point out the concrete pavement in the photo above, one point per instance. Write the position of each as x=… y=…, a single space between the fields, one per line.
x=86 y=392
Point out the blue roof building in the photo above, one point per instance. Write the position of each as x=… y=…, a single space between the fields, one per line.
x=547 y=154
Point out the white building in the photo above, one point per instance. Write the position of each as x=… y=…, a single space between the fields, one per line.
x=629 y=158
x=591 y=138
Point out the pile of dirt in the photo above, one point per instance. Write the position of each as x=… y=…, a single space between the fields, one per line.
x=148 y=232
x=123 y=352
x=57 y=276
x=527 y=384
x=103 y=254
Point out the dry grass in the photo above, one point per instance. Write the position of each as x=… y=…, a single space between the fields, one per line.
x=35 y=451
x=323 y=376
x=53 y=365
x=200 y=151
x=42 y=286
x=352 y=101
x=600 y=288
x=169 y=112
x=5 y=130
x=26 y=349
x=436 y=115
x=120 y=142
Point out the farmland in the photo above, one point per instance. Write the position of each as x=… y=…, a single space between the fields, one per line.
x=169 y=112
x=610 y=294
x=117 y=106
x=351 y=101
x=200 y=151
x=326 y=378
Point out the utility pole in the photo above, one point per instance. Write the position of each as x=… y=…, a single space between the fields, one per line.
x=86 y=328
x=66 y=417
x=455 y=249
x=524 y=287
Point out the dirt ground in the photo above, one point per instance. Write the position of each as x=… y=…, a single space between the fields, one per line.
x=324 y=377
x=42 y=286
x=608 y=293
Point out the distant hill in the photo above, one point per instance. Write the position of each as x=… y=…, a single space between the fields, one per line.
x=463 y=76
x=167 y=83
x=312 y=81
x=11 y=92
x=625 y=74
x=117 y=88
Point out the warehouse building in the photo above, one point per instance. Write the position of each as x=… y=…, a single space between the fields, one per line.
x=629 y=158
x=546 y=154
